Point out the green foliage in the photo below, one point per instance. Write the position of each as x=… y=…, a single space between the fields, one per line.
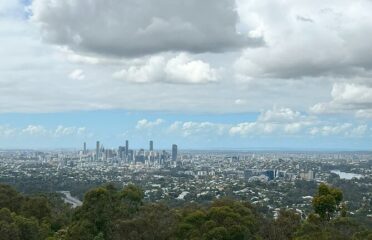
x=337 y=229
x=284 y=227
x=13 y=226
x=224 y=219
x=109 y=213
x=152 y=221
x=28 y=228
x=8 y=229
x=327 y=201
x=132 y=193
x=81 y=230
x=37 y=207
x=102 y=209
x=10 y=198
x=323 y=225
x=27 y=218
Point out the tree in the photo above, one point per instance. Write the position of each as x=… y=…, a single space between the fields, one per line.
x=37 y=207
x=8 y=229
x=284 y=227
x=152 y=221
x=10 y=198
x=96 y=213
x=326 y=202
x=28 y=228
x=224 y=219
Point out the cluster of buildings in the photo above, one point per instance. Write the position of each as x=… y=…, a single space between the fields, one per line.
x=125 y=155
x=268 y=179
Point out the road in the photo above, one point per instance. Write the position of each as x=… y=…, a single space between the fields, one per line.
x=70 y=199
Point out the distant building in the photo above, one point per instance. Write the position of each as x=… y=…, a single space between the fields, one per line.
x=97 y=150
x=151 y=145
x=130 y=155
x=269 y=174
x=174 y=152
x=310 y=175
x=85 y=148
x=140 y=157
x=126 y=148
x=121 y=152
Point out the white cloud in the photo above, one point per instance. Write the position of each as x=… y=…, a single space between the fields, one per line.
x=35 y=130
x=276 y=120
x=146 y=124
x=302 y=39
x=243 y=129
x=189 y=128
x=312 y=38
x=348 y=97
x=293 y=128
x=39 y=130
x=77 y=74
x=6 y=131
x=10 y=8
x=343 y=129
x=240 y=101
x=179 y=69
x=127 y=28
x=280 y=115
x=62 y=131
x=184 y=69
x=359 y=130
x=151 y=71
x=305 y=126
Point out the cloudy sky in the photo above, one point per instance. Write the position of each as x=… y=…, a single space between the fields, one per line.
x=243 y=74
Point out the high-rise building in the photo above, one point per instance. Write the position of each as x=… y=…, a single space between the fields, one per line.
x=85 y=148
x=97 y=151
x=174 y=152
x=126 y=148
x=140 y=157
x=121 y=152
x=151 y=145
x=130 y=155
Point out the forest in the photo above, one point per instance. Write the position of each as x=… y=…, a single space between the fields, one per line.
x=111 y=213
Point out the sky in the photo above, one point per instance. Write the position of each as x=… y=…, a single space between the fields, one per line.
x=227 y=74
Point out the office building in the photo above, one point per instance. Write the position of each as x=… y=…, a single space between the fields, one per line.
x=151 y=146
x=174 y=152
x=121 y=152
x=126 y=148
x=97 y=151
x=85 y=148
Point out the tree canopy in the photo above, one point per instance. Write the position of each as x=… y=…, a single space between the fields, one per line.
x=110 y=213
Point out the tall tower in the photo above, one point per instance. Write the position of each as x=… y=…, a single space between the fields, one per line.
x=151 y=146
x=174 y=152
x=85 y=148
x=126 y=148
x=97 y=150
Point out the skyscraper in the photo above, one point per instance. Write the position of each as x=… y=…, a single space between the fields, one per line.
x=97 y=150
x=174 y=152
x=151 y=145
x=126 y=148
x=121 y=152
x=85 y=148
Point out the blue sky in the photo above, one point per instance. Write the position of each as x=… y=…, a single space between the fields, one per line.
x=189 y=131
x=206 y=75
